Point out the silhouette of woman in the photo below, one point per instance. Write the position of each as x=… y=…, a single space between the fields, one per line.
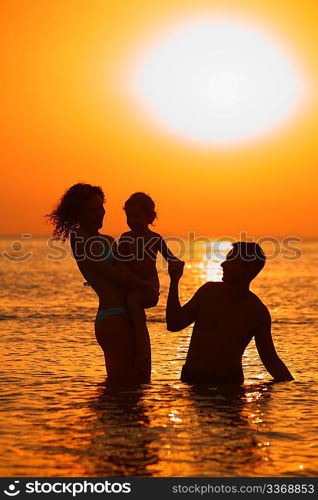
x=79 y=215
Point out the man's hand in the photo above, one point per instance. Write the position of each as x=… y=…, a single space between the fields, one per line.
x=175 y=270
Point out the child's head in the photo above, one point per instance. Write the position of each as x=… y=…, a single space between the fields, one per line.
x=140 y=211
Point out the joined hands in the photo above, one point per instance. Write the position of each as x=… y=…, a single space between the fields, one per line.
x=175 y=269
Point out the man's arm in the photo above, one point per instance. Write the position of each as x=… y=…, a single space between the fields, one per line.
x=266 y=349
x=178 y=317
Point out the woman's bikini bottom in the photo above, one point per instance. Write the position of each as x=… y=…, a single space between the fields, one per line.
x=104 y=313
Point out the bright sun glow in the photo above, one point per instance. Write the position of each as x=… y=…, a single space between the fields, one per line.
x=217 y=81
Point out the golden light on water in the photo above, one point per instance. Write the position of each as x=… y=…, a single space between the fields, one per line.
x=217 y=80
x=213 y=254
x=212 y=271
x=174 y=418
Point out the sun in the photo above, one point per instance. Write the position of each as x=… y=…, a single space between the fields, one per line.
x=217 y=81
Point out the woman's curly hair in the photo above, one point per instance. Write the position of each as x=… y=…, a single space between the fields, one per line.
x=65 y=216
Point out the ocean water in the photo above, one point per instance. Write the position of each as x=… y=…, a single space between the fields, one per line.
x=57 y=418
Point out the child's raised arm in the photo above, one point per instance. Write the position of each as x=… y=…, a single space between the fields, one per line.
x=165 y=252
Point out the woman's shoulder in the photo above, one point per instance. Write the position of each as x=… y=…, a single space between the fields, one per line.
x=87 y=245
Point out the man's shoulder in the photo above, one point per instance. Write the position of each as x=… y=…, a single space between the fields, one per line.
x=211 y=287
x=260 y=307
x=255 y=298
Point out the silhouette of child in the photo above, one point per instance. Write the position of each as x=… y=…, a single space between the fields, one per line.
x=138 y=249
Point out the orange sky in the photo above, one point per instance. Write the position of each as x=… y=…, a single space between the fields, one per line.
x=66 y=118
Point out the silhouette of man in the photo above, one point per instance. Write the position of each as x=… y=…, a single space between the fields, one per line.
x=226 y=316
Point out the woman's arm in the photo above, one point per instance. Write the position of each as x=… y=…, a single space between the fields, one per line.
x=91 y=252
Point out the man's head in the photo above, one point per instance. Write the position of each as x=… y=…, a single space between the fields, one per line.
x=243 y=262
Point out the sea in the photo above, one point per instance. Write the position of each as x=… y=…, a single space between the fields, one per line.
x=59 y=418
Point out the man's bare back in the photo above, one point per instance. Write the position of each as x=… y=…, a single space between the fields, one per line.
x=219 y=339
x=226 y=316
